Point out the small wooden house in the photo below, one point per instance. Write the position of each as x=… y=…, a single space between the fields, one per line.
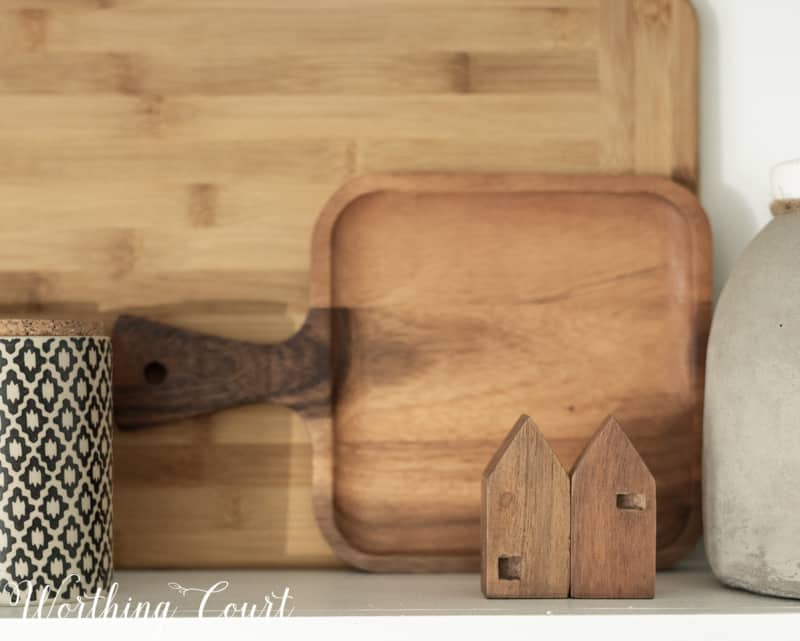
x=525 y=519
x=613 y=550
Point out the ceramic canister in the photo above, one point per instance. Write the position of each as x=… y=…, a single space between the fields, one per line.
x=55 y=460
x=751 y=433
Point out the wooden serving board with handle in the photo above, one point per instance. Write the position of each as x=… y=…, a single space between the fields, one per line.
x=169 y=159
x=441 y=307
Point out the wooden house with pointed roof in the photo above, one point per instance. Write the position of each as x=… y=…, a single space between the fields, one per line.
x=613 y=548
x=525 y=519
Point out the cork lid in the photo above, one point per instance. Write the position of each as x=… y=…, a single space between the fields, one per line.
x=50 y=327
x=786 y=188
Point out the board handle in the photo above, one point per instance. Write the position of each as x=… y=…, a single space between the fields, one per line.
x=163 y=373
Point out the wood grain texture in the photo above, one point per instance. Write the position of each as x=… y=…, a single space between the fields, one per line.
x=450 y=329
x=636 y=290
x=613 y=549
x=168 y=158
x=525 y=519
x=166 y=374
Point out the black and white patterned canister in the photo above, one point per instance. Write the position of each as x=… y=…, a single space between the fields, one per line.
x=55 y=460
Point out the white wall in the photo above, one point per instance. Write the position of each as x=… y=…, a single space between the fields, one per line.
x=750 y=114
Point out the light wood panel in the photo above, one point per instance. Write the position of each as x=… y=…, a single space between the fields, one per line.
x=169 y=157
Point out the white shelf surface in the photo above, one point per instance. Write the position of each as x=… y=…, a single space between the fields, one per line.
x=688 y=590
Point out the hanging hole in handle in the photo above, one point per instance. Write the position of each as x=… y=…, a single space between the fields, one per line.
x=155 y=373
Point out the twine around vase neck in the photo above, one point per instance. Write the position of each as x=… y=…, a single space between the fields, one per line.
x=786 y=206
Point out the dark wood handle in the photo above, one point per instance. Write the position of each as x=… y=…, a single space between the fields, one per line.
x=162 y=373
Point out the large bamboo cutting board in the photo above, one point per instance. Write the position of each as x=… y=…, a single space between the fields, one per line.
x=169 y=158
